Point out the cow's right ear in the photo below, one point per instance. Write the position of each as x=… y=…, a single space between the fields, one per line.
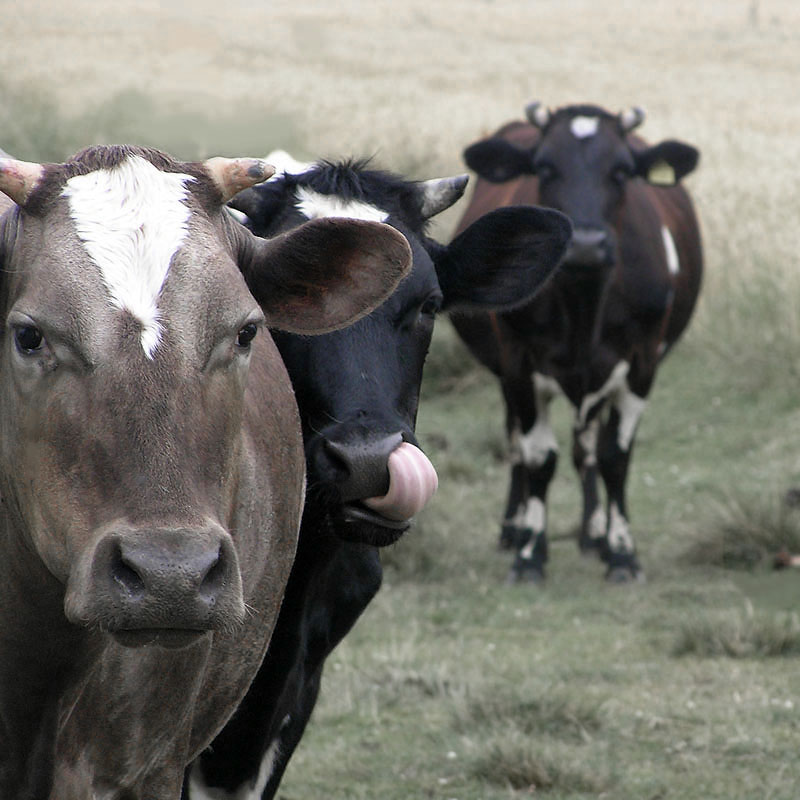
x=503 y=258
x=324 y=274
x=497 y=160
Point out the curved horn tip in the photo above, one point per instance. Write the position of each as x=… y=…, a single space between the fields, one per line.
x=19 y=178
x=438 y=194
x=631 y=118
x=233 y=175
x=537 y=114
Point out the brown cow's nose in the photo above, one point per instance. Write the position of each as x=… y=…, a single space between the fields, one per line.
x=172 y=579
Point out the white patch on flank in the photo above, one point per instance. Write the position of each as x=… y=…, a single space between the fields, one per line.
x=584 y=127
x=132 y=220
x=314 y=205
x=630 y=407
x=286 y=164
x=251 y=791
x=619 y=537
x=673 y=262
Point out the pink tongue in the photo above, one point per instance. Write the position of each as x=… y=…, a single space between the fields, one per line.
x=412 y=482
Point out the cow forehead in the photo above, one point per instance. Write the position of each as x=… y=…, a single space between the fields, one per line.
x=315 y=205
x=132 y=219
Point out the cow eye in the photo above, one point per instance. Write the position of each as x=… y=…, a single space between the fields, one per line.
x=620 y=174
x=29 y=339
x=246 y=335
x=545 y=171
x=431 y=306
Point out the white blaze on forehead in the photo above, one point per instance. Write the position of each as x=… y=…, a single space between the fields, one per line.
x=132 y=219
x=673 y=262
x=584 y=127
x=314 y=205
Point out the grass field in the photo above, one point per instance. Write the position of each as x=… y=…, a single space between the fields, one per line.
x=454 y=685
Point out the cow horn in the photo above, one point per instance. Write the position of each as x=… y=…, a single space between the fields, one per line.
x=630 y=119
x=439 y=194
x=537 y=114
x=19 y=178
x=233 y=175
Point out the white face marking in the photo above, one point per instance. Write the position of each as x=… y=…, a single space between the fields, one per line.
x=314 y=205
x=286 y=164
x=673 y=262
x=132 y=220
x=619 y=537
x=584 y=127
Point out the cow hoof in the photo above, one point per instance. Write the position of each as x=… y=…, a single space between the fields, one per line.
x=508 y=538
x=526 y=573
x=625 y=575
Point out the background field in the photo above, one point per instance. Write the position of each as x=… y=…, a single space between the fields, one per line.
x=454 y=685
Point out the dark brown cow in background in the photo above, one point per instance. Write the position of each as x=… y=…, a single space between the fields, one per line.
x=151 y=459
x=622 y=297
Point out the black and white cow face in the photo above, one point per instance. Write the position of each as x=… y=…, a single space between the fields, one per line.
x=358 y=391
x=584 y=158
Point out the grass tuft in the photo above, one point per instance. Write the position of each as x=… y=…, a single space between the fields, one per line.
x=743 y=532
x=737 y=634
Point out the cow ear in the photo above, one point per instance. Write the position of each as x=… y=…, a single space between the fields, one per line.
x=325 y=274
x=503 y=258
x=497 y=160
x=666 y=163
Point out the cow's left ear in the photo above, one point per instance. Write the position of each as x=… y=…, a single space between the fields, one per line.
x=503 y=258
x=666 y=163
x=323 y=275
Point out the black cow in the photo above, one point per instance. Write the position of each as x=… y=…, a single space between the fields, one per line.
x=358 y=396
x=597 y=333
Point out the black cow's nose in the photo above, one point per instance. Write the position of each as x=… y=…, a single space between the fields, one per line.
x=589 y=246
x=362 y=465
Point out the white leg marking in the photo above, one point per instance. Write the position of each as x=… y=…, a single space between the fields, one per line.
x=132 y=220
x=533 y=447
x=619 y=537
x=587 y=438
x=630 y=407
x=253 y=791
x=614 y=382
x=314 y=205
x=673 y=262
x=598 y=523
x=535 y=519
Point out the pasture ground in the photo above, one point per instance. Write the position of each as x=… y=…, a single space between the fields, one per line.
x=454 y=685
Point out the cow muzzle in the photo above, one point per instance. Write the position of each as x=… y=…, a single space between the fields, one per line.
x=589 y=247
x=382 y=484
x=165 y=586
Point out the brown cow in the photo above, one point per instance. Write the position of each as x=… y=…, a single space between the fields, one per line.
x=622 y=297
x=151 y=459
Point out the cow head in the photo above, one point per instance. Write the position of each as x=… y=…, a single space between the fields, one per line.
x=358 y=389
x=583 y=157
x=132 y=310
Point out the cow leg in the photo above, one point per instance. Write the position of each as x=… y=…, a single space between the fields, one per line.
x=615 y=446
x=584 y=457
x=534 y=455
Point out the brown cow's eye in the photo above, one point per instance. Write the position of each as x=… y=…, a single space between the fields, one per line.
x=29 y=339
x=247 y=334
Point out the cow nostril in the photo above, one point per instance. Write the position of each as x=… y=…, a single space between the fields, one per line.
x=214 y=579
x=126 y=575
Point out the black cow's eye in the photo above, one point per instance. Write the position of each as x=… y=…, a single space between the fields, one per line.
x=431 y=306
x=620 y=174
x=246 y=335
x=29 y=339
x=545 y=171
